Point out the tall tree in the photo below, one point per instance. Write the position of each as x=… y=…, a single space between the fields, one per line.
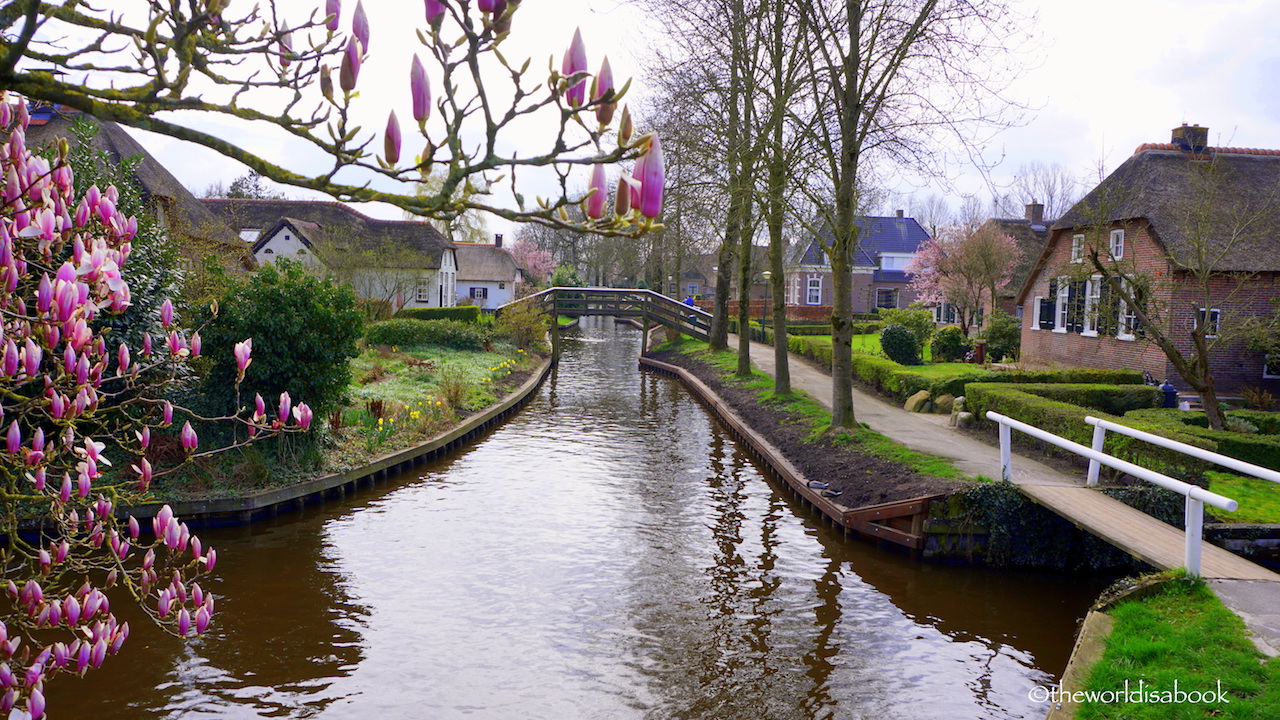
x=893 y=80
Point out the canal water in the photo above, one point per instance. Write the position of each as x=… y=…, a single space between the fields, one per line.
x=609 y=552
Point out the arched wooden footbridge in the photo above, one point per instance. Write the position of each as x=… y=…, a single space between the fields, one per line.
x=648 y=306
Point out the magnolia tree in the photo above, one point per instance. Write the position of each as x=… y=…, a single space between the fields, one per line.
x=965 y=266
x=78 y=410
x=536 y=263
x=469 y=103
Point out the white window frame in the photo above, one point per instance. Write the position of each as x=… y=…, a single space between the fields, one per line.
x=1092 y=299
x=424 y=294
x=1035 y=320
x=895 y=261
x=814 y=294
x=1117 y=244
x=1266 y=374
x=1060 y=305
x=1215 y=321
x=1077 y=248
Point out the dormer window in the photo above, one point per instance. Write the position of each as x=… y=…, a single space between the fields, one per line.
x=250 y=234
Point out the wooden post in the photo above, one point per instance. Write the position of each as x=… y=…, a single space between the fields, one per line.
x=555 y=327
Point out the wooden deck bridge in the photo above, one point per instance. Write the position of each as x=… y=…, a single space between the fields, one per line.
x=648 y=306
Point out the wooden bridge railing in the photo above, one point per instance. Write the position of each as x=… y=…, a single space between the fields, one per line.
x=647 y=305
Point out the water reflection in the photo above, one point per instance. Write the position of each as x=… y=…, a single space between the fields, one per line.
x=610 y=553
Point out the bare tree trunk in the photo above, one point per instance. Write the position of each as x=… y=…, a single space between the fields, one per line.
x=777 y=208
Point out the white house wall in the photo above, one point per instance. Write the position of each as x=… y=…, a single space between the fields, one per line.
x=284 y=244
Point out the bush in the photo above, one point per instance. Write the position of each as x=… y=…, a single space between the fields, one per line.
x=411 y=333
x=1260 y=449
x=899 y=345
x=950 y=344
x=466 y=313
x=918 y=322
x=1004 y=336
x=1067 y=419
x=304 y=332
x=522 y=325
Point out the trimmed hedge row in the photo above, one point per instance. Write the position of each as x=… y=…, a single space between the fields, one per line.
x=409 y=333
x=1063 y=414
x=859 y=328
x=1260 y=449
x=465 y=313
x=909 y=382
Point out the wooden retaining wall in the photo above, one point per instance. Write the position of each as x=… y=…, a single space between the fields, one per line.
x=268 y=504
x=899 y=523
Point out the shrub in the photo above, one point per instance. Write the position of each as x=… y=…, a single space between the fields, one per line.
x=413 y=333
x=467 y=313
x=1260 y=449
x=899 y=345
x=919 y=322
x=950 y=344
x=1004 y=336
x=304 y=332
x=521 y=324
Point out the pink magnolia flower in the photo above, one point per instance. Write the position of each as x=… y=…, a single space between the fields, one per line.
x=333 y=9
x=601 y=87
x=622 y=200
x=166 y=314
x=599 y=193
x=652 y=180
x=360 y=27
x=188 y=437
x=420 y=91
x=350 y=70
x=575 y=61
x=13 y=439
x=391 y=141
x=285 y=404
x=302 y=413
x=435 y=11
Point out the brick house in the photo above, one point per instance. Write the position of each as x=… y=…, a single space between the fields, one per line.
x=1169 y=209
x=885 y=246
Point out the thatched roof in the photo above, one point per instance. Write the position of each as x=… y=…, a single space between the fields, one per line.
x=1031 y=239
x=330 y=227
x=187 y=219
x=484 y=263
x=1225 y=201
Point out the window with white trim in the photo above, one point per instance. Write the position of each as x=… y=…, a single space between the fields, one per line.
x=1117 y=244
x=887 y=298
x=1092 y=303
x=815 y=291
x=1211 y=316
x=1063 y=304
x=1271 y=366
x=1077 y=248
x=479 y=293
x=424 y=294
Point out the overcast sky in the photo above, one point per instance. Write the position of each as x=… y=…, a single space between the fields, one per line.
x=1109 y=76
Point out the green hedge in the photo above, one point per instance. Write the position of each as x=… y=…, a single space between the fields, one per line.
x=1260 y=449
x=409 y=333
x=909 y=381
x=1026 y=402
x=466 y=313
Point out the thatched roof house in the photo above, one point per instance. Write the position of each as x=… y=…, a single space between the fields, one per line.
x=198 y=232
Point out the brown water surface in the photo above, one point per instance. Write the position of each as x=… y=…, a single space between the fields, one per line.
x=608 y=553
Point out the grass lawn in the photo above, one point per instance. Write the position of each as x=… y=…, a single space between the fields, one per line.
x=1259 y=499
x=1182 y=634
x=818 y=418
x=407 y=376
x=563 y=320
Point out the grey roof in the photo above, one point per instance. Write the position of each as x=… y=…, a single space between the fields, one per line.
x=187 y=216
x=1224 y=200
x=484 y=263
x=875 y=235
x=1031 y=241
x=329 y=227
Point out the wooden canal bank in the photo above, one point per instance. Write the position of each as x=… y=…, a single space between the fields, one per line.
x=267 y=504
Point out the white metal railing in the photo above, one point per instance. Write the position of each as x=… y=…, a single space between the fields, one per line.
x=1100 y=428
x=1196 y=496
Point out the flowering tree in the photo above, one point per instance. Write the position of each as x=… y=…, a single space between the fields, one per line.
x=279 y=74
x=77 y=409
x=965 y=266
x=535 y=262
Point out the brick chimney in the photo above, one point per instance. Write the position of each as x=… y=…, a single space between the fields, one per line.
x=497 y=240
x=1035 y=213
x=1191 y=138
x=899 y=214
